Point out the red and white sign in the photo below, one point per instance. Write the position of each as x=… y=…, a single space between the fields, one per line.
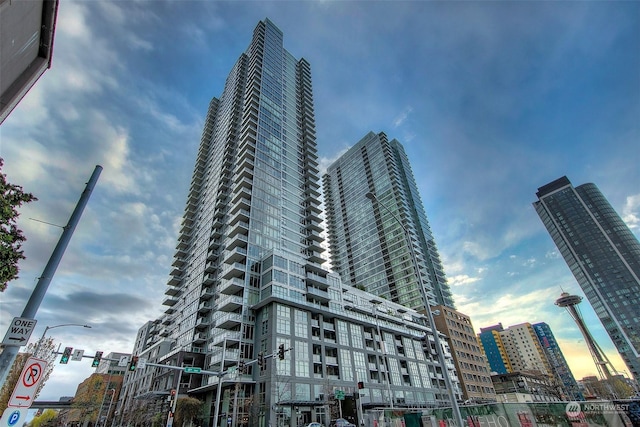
x=27 y=384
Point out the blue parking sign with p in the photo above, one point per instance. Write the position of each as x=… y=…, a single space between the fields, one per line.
x=13 y=417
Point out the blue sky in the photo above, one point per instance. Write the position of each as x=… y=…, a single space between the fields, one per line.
x=491 y=100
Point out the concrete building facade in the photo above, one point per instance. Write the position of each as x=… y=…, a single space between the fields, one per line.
x=472 y=367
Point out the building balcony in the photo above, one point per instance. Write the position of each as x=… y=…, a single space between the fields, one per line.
x=178 y=262
x=229 y=302
x=314 y=256
x=204 y=307
x=202 y=323
x=238 y=227
x=313 y=225
x=235 y=270
x=230 y=355
x=206 y=293
x=240 y=215
x=214 y=244
x=317 y=280
x=318 y=294
x=237 y=254
x=241 y=203
x=173 y=291
x=209 y=279
x=237 y=240
x=170 y=301
x=212 y=267
x=229 y=320
x=331 y=361
x=199 y=337
x=228 y=336
x=231 y=286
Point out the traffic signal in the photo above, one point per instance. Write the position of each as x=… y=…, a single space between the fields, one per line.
x=281 y=352
x=66 y=354
x=241 y=366
x=96 y=359
x=360 y=385
x=133 y=363
x=261 y=359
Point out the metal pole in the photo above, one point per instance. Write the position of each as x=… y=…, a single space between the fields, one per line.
x=104 y=397
x=113 y=393
x=360 y=411
x=9 y=353
x=216 y=415
x=385 y=357
x=455 y=409
x=172 y=415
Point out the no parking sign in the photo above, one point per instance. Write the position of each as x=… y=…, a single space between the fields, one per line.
x=27 y=384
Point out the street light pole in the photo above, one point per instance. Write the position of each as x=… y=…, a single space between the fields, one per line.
x=113 y=393
x=8 y=355
x=455 y=409
x=384 y=354
x=216 y=416
x=35 y=352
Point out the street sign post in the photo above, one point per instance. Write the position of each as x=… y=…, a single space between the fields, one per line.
x=27 y=384
x=124 y=361
x=77 y=354
x=19 y=331
x=192 y=370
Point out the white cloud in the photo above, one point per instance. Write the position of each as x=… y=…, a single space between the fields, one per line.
x=631 y=212
x=325 y=162
x=402 y=117
x=461 y=280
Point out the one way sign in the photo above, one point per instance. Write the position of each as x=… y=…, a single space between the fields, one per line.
x=19 y=331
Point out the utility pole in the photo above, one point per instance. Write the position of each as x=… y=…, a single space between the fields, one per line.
x=9 y=353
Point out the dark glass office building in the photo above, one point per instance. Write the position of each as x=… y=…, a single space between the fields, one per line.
x=603 y=255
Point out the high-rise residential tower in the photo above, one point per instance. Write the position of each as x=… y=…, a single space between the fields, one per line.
x=603 y=255
x=248 y=297
x=369 y=239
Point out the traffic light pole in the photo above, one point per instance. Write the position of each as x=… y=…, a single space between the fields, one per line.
x=9 y=353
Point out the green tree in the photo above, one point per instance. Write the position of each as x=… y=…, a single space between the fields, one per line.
x=187 y=409
x=44 y=419
x=11 y=237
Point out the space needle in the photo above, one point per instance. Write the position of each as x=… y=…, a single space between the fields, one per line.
x=570 y=302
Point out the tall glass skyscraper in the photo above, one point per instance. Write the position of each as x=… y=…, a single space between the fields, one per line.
x=603 y=255
x=255 y=190
x=368 y=241
x=248 y=297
